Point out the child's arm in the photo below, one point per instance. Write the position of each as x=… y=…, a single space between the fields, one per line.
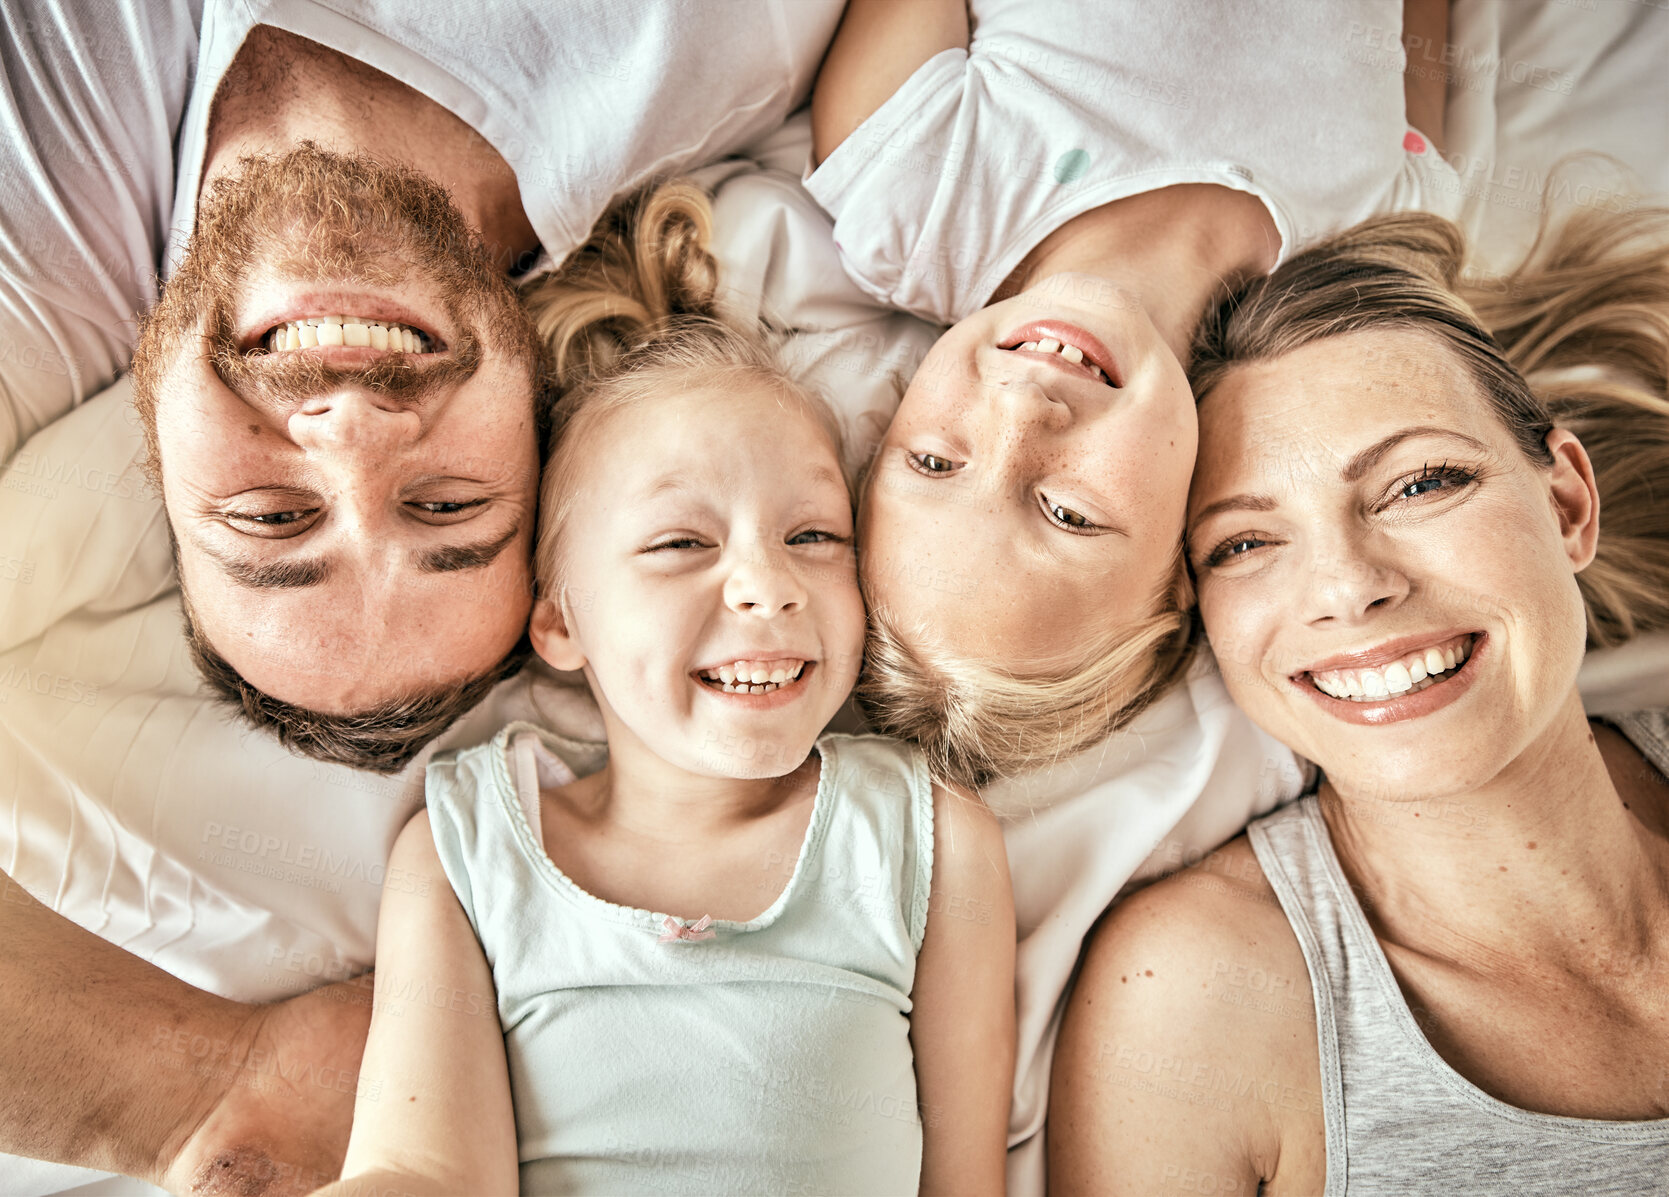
x=433 y=1110
x=1425 y=35
x=879 y=45
x=962 y=1024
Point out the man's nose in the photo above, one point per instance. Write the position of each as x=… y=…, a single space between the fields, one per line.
x=354 y=423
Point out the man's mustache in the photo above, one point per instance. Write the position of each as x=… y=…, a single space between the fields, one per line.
x=281 y=379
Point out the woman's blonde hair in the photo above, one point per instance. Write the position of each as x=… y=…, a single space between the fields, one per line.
x=1577 y=336
x=631 y=314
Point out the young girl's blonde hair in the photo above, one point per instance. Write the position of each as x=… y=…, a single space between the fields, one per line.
x=1577 y=336
x=633 y=313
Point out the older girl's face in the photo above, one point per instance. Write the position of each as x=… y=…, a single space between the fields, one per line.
x=1387 y=581
x=1032 y=484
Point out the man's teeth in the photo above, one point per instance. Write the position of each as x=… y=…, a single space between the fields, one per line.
x=346 y=330
x=1410 y=674
x=1070 y=352
x=753 y=677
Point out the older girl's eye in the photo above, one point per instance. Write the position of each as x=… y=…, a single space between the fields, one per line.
x=928 y=463
x=1065 y=517
x=1232 y=548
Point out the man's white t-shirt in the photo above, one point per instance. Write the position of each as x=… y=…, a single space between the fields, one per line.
x=1057 y=109
x=104 y=113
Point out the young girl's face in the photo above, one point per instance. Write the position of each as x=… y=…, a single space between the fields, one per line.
x=709 y=587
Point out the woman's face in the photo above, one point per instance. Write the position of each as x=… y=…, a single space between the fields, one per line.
x=1034 y=477
x=1387 y=581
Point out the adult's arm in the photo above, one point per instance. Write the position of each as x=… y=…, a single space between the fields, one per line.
x=878 y=46
x=109 y=1062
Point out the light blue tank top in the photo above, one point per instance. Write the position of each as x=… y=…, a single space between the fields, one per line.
x=772 y=1056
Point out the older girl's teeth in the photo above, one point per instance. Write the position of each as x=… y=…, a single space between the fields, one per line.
x=1072 y=353
x=726 y=674
x=779 y=676
x=1095 y=371
x=1048 y=345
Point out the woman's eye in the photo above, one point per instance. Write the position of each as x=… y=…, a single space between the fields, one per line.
x=1067 y=518
x=1435 y=480
x=929 y=463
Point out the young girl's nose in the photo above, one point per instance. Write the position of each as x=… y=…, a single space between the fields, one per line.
x=764 y=583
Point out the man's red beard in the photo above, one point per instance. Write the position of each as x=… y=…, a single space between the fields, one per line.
x=319 y=217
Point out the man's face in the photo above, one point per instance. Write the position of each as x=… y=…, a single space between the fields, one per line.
x=354 y=516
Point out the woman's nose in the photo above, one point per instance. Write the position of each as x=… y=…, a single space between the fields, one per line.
x=1348 y=580
x=763 y=582
x=349 y=422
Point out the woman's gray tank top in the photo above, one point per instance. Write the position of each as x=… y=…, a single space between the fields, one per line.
x=1399 y=1119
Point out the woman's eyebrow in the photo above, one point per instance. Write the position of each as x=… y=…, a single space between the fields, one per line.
x=1369 y=457
x=1241 y=502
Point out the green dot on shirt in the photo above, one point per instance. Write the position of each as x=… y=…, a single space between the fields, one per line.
x=1070 y=166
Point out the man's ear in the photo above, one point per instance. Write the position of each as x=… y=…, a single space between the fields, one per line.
x=1575 y=497
x=552 y=640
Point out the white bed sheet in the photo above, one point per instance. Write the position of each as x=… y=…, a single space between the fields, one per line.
x=136 y=808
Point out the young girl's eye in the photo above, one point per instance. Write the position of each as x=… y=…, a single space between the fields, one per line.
x=1065 y=517
x=816 y=536
x=928 y=463
x=676 y=542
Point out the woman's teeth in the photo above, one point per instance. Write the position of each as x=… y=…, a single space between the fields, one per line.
x=753 y=677
x=1070 y=352
x=1408 y=675
x=346 y=330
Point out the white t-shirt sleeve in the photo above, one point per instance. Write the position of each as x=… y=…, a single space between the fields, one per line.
x=983 y=153
x=88 y=110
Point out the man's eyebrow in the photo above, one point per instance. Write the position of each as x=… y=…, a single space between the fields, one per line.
x=294 y=574
x=453 y=557
x=1369 y=457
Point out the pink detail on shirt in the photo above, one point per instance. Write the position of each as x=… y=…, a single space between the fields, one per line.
x=1413 y=142
x=672 y=930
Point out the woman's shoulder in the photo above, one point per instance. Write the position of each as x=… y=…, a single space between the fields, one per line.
x=1194 y=991
x=1201 y=929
